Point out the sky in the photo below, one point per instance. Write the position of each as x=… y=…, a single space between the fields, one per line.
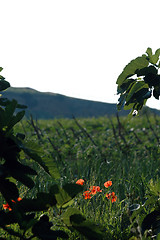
x=76 y=48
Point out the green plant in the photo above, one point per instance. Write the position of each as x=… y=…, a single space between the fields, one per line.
x=20 y=211
x=138 y=81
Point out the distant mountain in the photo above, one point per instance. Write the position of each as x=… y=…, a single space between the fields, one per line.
x=50 y=105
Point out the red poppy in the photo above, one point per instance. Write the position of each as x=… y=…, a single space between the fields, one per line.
x=98 y=189
x=95 y=189
x=108 y=184
x=80 y=182
x=6 y=206
x=87 y=195
x=111 y=196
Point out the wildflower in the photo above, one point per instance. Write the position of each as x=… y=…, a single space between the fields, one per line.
x=80 y=182
x=95 y=189
x=6 y=206
x=98 y=189
x=87 y=195
x=108 y=184
x=111 y=196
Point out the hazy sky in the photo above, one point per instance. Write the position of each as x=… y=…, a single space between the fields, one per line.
x=75 y=47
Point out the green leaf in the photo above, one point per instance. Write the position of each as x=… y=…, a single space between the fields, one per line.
x=8 y=190
x=41 y=203
x=153 y=58
x=18 y=167
x=152 y=221
x=121 y=101
x=6 y=101
x=156 y=92
x=7 y=218
x=42 y=230
x=135 y=88
x=33 y=150
x=66 y=194
x=88 y=229
x=10 y=108
x=131 y=68
x=62 y=197
x=51 y=167
x=146 y=70
x=4 y=85
x=129 y=106
x=70 y=212
x=126 y=85
x=149 y=51
x=72 y=189
x=154 y=187
x=3 y=171
x=73 y=217
x=15 y=119
x=27 y=181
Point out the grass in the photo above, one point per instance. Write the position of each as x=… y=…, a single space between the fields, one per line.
x=96 y=150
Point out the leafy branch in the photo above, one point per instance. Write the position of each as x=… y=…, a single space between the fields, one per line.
x=138 y=81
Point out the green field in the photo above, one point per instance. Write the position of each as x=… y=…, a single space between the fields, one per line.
x=123 y=150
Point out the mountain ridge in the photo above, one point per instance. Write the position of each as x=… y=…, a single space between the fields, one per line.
x=48 y=105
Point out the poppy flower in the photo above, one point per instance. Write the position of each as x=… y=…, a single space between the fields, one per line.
x=6 y=206
x=98 y=189
x=108 y=184
x=111 y=196
x=87 y=195
x=95 y=189
x=80 y=182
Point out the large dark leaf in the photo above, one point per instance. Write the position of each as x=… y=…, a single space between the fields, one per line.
x=152 y=79
x=15 y=119
x=66 y=194
x=5 y=101
x=4 y=85
x=42 y=230
x=41 y=203
x=27 y=181
x=135 y=88
x=18 y=167
x=125 y=86
x=152 y=221
x=146 y=70
x=8 y=190
x=33 y=150
x=72 y=189
x=156 y=92
x=7 y=218
x=131 y=68
x=73 y=217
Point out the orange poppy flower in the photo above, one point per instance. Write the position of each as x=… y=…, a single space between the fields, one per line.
x=6 y=206
x=108 y=184
x=87 y=195
x=114 y=199
x=80 y=182
x=95 y=189
x=98 y=189
x=111 y=196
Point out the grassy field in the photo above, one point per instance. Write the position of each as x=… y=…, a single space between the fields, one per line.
x=122 y=150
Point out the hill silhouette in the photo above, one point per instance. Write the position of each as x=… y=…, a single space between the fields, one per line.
x=46 y=105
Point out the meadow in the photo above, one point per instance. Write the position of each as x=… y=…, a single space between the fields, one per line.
x=123 y=150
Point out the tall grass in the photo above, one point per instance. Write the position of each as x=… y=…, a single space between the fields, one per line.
x=123 y=150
